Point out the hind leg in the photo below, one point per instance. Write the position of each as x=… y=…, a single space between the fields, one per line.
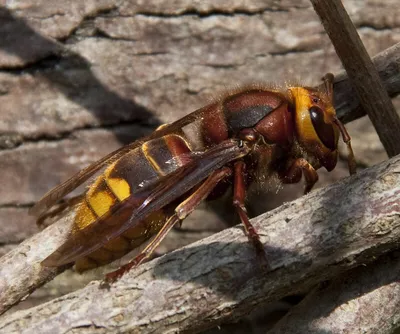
x=181 y=212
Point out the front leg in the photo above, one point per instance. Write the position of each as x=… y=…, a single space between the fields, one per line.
x=293 y=174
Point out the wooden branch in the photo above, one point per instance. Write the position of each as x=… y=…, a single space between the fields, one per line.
x=20 y=269
x=218 y=279
x=364 y=300
x=27 y=273
x=347 y=104
x=18 y=277
x=362 y=73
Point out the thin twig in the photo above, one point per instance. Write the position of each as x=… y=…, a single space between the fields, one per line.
x=347 y=104
x=362 y=73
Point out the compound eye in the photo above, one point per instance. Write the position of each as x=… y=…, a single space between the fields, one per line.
x=324 y=131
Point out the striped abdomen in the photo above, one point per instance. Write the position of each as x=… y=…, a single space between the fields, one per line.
x=137 y=169
x=156 y=158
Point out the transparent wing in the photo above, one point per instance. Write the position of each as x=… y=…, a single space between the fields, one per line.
x=140 y=204
x=57 y=193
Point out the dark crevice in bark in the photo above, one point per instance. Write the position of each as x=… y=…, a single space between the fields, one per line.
x=375 y=27
x=69 y=134
x=26 y=205
x=47 y=63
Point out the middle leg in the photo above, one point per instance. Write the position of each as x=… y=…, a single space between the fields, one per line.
x=239 y=196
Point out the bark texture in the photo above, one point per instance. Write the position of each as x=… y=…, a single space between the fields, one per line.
x=364 y=300
x=79 y=79
x=219 y=279
x=22 y=282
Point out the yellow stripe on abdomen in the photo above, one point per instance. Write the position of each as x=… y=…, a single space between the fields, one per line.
x=101 y=203
x=97 y=202
x=119 y=187
x=84 y=216
x=100 y=198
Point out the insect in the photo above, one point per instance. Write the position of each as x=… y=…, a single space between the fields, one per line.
x=154 y=183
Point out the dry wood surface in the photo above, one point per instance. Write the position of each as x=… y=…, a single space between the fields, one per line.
x=23 y=274
x=364 y=300
x=79 y=79
x=217 y=279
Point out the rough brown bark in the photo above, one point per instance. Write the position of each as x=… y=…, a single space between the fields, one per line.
x=75 y=75
x=364 y=300
x=217 y=279
x=20 y=280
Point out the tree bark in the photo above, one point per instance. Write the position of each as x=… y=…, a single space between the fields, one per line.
x=218 y=279
x=80 y=79
x=23 y=282
x=364 y=300
x=347 y=104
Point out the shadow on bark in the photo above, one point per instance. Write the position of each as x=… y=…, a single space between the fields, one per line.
x=70 y=73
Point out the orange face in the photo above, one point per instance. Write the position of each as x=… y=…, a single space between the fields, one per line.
x=315 y=128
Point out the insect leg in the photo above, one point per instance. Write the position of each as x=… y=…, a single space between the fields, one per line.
x=181 y=212
x=351 y=161
x=239 y=195
x=293 y=174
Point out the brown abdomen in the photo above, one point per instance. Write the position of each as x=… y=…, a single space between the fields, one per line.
x=139 y=168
